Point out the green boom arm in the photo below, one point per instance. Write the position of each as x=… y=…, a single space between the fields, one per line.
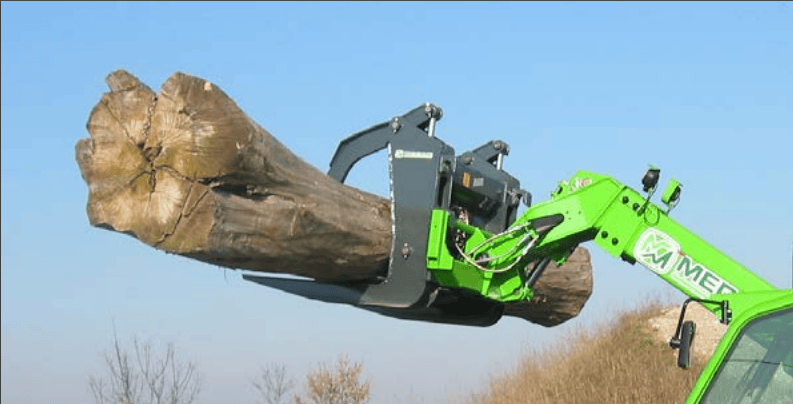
x=590 y=206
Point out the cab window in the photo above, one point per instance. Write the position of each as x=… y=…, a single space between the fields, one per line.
x=759 y=369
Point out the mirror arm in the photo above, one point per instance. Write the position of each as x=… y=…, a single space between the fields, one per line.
x=726 y=317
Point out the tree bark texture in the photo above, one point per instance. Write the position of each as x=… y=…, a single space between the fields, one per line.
x=187 y=172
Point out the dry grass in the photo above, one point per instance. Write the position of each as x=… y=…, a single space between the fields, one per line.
x=615 y=363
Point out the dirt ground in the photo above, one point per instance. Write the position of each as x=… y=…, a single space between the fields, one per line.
x=708 y=334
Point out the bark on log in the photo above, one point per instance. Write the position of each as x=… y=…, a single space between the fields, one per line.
x=187 y=172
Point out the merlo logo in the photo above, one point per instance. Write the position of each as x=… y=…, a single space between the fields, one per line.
x=657 y=251
x=662 y=254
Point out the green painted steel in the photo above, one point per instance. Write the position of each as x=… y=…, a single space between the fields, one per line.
x=596 y=207
x=450 y=272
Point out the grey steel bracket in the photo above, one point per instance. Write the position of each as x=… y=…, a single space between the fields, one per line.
x=493 y=152
x=497 y=194
x=460 y=310
x=421 y=168
x=376 y=138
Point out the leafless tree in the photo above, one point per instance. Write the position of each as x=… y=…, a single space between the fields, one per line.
x=273 y=385
x=148 y=377
x=341 y=384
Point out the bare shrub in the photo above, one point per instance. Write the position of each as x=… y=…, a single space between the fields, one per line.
x=273 y=385
x=148 y=377
x=340 y=384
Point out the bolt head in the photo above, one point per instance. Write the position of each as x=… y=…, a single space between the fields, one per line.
x=405 y=251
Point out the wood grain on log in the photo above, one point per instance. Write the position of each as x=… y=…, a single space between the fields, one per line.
x=189 y=173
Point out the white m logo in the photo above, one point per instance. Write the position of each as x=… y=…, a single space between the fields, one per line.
x=656 y=251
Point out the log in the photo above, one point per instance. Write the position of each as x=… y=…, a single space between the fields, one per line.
x=186 y=171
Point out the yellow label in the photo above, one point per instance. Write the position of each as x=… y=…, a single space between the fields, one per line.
x=467 y=179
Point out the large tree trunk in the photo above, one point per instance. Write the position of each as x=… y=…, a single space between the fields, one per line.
x=187 y=172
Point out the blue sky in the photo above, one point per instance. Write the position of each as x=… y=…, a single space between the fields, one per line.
x=703 y=90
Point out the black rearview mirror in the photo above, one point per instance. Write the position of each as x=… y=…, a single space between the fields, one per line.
x=684 y=354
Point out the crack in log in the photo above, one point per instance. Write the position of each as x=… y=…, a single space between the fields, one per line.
x=248 y=191
x=190 y=209
x=105 y=103
x=173 y=172
x=186 y=211
x=151 y=153
x=168 y=234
